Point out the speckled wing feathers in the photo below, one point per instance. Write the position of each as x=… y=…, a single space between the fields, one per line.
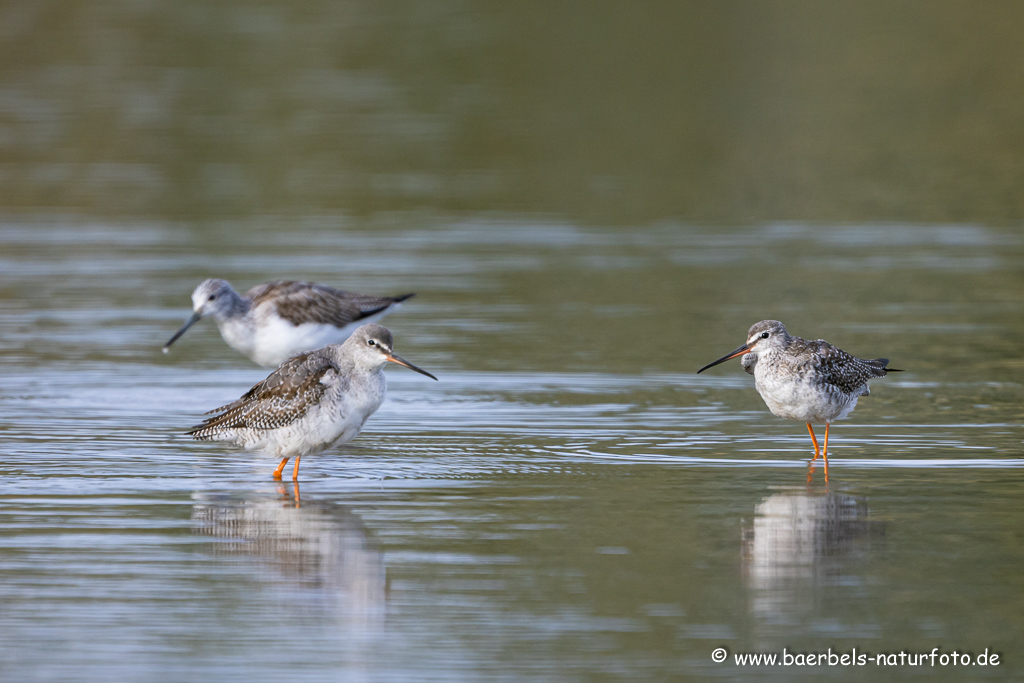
x=308 y=302
x=277 y=401
x=838 y=368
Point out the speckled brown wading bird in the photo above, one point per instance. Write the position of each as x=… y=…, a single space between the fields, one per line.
x=313 y=401
x=277 y=320
x=810 y=381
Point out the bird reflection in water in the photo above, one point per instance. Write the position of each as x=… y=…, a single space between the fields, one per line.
x=310 y=546
x=800 y=539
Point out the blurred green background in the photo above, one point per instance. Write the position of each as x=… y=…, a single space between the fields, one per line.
x=594 y=112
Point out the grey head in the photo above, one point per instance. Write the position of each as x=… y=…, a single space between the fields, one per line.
x=765 y=335
x=217 y=298
x=213 y=297
x=761 y=338
x=370 y=348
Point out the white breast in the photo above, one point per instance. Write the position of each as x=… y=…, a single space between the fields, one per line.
x=799 y=398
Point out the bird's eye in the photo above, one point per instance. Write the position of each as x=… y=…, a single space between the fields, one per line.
x=372 y=342
x=212 y=297
x=764 y=335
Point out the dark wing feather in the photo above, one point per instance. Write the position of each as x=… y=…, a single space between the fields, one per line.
x=283 y=397
x=308 y=302
x=882 y=363
x=844 y=371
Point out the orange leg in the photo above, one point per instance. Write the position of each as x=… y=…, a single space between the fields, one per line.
x=824 y=452
x=295 y=472
x=280 y=468
x=810 y=465
x=815 y=440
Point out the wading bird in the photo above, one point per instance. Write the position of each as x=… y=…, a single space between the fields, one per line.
x=809 y=381
x=313 y=401
x=274 y=321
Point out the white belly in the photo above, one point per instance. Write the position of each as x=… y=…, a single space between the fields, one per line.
x=274 y=340
x=795 y=399
x=278 y=340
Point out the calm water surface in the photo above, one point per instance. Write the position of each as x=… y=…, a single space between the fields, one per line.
x=570 y=500
x=590 y=206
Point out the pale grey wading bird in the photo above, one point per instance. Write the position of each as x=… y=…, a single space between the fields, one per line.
x=274 y=321
x=809 y=381
x=313 y=401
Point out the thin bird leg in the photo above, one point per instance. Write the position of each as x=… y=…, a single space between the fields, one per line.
x=295 y=472
x=815 y=440
x=824 y=452
x=810 y=465
x=280 y=468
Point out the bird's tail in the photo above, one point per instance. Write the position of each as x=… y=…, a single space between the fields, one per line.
x=880 y=363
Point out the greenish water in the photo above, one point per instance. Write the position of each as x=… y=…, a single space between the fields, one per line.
x=590 y=206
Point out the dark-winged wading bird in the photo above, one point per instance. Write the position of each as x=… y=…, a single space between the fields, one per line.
x=277 y=320
x=809 y=381
x=313 y=401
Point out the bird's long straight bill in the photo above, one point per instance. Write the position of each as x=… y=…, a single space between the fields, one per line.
x=738 y=352
x=406 y=364
x=184 y=328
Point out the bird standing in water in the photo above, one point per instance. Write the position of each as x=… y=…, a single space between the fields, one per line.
x=274 y=321
x=810 y=381
x=313 y=401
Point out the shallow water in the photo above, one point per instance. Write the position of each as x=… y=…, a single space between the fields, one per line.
x=590 y=206
x=570 y=500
